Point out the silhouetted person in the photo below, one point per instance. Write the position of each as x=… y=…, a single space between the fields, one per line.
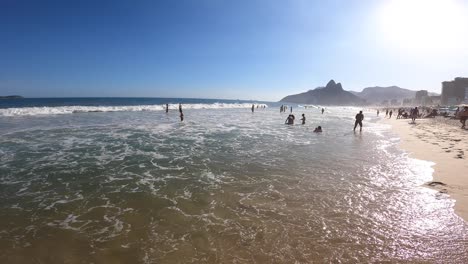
x=181 y=116
x=414 y=114
x=303 y=119
x=390 y=114
x=167 y=108
x=359 y=118
x=180 y=108
x=463 y=114
x=291 y=109
x=378 y=112
x=386 y=113
x=323 y=110
x=290 y=120
x=318 y=129
x=253 y=108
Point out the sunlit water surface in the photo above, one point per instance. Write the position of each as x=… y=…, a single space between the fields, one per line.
x=224 y=186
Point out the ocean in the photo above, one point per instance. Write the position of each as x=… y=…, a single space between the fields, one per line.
x=117 y=180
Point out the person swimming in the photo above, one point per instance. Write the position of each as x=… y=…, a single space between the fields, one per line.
x=318 y=129
x=290 y=120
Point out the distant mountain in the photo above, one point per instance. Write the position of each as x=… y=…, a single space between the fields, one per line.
x=332 y=94
x=11 y=97
x=375 y=95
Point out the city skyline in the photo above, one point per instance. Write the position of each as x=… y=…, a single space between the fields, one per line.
x=254 y=50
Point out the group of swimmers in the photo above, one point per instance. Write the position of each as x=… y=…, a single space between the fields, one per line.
x=284 y=108
x=290 y=121
x=180 y=111
x=253 y=107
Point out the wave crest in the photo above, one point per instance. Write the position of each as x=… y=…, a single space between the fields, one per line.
x=31 y=111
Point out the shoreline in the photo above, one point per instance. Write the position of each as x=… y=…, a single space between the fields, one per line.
x=443 y=142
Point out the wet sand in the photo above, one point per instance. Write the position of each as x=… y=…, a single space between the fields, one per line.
x=443 y=142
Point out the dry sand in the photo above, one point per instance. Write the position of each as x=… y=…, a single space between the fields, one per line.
x=443 y=142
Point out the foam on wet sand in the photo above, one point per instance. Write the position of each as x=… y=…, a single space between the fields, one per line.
x=443 y=142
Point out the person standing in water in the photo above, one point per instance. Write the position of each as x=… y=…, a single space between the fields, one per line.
x=359 y=118
x=323 y=110
x=390 y=114
x=167 y=108
x=291 y=109
x=181 y=113
x=253 y=108
x=303 y=119
x=378 y=112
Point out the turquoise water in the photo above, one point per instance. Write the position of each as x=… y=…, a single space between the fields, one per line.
x=224 y=186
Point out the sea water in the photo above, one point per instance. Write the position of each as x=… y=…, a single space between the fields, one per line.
x=106 y=181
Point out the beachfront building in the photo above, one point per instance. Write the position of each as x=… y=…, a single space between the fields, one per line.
x=455 y=92
x=421 y=97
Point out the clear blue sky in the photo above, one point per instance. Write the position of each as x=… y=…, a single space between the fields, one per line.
x=252 y=49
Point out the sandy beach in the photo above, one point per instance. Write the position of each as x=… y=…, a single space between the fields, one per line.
x=443 y=142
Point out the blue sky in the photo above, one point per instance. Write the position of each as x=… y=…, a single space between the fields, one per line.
x=252 y=49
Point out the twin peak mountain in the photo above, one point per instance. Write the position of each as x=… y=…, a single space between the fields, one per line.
x=332 y=94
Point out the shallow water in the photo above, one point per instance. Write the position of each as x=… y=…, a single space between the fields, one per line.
x=224 y=186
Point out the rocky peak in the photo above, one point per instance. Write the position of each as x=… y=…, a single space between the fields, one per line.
x=332 y=85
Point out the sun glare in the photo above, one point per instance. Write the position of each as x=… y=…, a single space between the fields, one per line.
x=425 y=25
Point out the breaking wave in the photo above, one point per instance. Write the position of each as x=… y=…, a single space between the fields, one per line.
x=31 y=111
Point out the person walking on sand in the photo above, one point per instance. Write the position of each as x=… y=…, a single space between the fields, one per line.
x=359 y=118
x=414 y=114
x=167 y=108
x=463 y=116
x=303 y=119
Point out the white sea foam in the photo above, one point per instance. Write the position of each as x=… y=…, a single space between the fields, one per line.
x=31 y=111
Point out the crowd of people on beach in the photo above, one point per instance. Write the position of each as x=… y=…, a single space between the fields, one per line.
x=414 y=113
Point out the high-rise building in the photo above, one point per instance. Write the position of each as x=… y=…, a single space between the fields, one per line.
x=420 y=97
x=455 y=92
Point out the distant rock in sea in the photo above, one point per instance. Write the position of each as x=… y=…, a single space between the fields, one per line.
x=11 y=97
x=331 y=94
